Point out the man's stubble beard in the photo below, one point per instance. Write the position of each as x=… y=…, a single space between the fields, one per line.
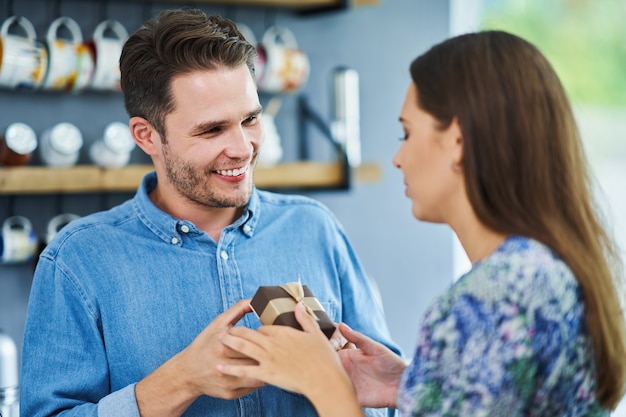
x=196 y=187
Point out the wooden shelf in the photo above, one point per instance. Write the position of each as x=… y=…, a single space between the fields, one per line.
x=297 y=4
x=88 y=178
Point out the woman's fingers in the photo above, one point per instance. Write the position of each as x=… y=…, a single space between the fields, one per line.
x=245 y=341
x=306 y=319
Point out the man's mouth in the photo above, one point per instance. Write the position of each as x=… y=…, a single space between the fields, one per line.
x=233 y=172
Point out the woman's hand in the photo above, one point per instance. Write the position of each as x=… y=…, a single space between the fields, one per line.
x=300 y=361
x=375 y=370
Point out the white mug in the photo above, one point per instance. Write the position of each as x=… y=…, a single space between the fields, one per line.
x=285 y=66
x=84 y=67
x=60 y=145
x=115 y=146
x=106 y=52
x=18 y=242
x=24 y=60
x=57 y=223
x=62 y=55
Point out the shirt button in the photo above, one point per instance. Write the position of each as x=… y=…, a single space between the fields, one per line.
x=174 y=240
x=224 y=255
x=246 y=228
x=184 y=228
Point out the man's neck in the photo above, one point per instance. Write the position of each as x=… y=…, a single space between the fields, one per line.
x=212 y=220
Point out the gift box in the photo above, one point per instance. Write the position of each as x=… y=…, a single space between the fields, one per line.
x=276 y=304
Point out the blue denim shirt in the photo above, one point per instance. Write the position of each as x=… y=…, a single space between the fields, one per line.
x=117 y=293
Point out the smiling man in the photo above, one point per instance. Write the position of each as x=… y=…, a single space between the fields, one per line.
x=128 y=306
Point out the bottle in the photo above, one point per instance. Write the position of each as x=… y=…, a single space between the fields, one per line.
x=9 y=383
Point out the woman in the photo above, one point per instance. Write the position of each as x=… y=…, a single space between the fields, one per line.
x=535 y=328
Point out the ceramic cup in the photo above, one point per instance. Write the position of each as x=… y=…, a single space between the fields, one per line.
x=271 y=151
x=259 y=62
x=24 y=60
x=18 y=242
x=106 y=51
x=60 y=145
x=115 y=146
x=63 y=55
x=57 y=223
x=84 y=67
x=17 y=144
x=285 y=66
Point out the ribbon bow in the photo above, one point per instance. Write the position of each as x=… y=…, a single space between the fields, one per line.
x=296 y=291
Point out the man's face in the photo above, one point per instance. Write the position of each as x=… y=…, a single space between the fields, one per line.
x=213 y=136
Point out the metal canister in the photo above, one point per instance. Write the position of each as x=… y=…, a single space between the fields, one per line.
x=9 y=379
x=346 y=113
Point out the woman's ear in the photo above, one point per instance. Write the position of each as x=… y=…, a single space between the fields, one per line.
x=456 y=143
x=145 y=136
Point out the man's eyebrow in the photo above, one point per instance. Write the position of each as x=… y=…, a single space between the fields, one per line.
x=204 y=127
x=255 y=112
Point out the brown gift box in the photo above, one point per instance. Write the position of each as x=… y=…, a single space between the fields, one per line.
x=276 y=304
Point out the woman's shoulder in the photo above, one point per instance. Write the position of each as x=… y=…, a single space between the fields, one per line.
x=520 y=265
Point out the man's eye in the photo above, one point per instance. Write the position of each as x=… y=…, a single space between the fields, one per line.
x=251 y=119
x=213 y=131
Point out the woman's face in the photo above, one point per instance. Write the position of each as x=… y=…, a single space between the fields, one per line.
x=429 y=158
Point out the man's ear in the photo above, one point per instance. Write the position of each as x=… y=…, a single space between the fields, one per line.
x=145 y=136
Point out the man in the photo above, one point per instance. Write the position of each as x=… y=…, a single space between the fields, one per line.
x=128 y=306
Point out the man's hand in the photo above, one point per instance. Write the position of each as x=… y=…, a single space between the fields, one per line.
x=171 y=388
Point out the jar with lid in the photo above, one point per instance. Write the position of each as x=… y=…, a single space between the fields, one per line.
x=17 y=144
x=115 y=146
x=60 y=145
x=9 y=382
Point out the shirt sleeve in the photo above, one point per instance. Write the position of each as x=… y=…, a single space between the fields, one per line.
x=64 y=365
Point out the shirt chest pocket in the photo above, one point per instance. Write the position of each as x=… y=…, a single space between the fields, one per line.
x=332 y=310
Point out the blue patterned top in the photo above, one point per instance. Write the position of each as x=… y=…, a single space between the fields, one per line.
x=507 y=339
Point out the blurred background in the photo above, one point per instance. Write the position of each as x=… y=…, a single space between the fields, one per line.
x=409 y=262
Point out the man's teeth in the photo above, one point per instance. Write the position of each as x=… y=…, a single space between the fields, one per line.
x=233 y=172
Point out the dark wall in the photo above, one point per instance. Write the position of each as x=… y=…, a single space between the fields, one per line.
x=409 y=261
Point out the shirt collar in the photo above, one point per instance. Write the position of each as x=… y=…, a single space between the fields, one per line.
x=165 y=226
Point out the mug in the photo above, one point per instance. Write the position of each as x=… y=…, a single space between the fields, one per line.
x=57 y=223
x=271 y=151
x=17 y=144
x=285 y=67
x=106 y=53
x=62 y=55
x=115 y=146
x=84 y=67
x=248 y=34
x=18 y=242
x=60 y=145
x=24 y=60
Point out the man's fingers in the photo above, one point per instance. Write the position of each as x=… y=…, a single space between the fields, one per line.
x=231 y=316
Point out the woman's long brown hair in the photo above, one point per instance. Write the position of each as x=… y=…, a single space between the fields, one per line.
x=525 y=170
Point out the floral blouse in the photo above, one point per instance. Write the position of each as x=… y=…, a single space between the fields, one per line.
x=507 y=339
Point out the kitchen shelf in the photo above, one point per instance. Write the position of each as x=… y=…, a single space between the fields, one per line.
x=296 y=4
x=88 y=178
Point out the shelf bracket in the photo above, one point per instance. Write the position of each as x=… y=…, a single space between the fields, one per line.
x=309 y=115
